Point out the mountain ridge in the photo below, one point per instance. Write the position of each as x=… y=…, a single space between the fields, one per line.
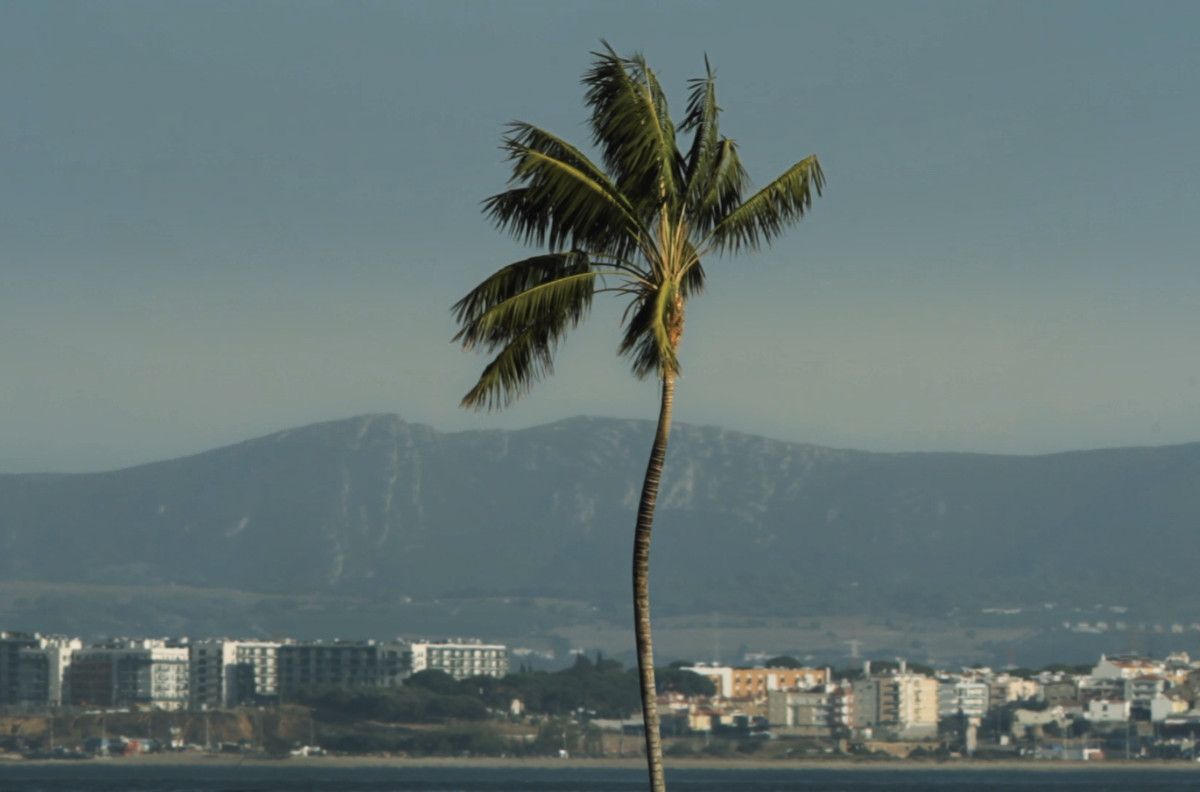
x=377 y=506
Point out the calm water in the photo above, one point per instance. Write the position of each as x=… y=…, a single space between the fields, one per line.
x=111 y=778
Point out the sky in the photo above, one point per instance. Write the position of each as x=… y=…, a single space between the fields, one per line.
x=223 y=219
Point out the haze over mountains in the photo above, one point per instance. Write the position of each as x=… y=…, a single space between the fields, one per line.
x=377 y=507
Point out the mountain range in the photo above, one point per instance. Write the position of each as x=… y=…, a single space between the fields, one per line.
x=379 y=508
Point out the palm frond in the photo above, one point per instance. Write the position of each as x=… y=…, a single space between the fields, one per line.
x=565 y=201
x=762 y=216
x=647 y=336
x=702 y=120
x=558 y=287
x=523 y=310
x=637 y=342
x=692 y=282
x=524 y=360
x=633 y=128
x=722 y=188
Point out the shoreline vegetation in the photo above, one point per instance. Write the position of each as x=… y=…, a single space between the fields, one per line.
x=196 y=759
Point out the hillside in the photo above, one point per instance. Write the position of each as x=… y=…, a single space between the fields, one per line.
x=375 y=507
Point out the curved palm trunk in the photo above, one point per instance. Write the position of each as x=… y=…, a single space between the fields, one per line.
x=641 y=585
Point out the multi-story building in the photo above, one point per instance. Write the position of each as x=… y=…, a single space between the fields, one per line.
x=129 y=673
x=352 y=664
x=824 y=711
x=1004 y=689
x=1140 y=691
x=756 y=683
x=1101 y=711
x=1126 y=667
x=903 y=704
x=227 y=673
x=962 y=697
x=460 y=659
x=11 y=644
x=1060 y=691
x=41 y=670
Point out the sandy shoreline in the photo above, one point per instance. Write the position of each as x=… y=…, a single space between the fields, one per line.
x=350 y=762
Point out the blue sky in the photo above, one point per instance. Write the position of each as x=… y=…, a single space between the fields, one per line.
x=222 y=219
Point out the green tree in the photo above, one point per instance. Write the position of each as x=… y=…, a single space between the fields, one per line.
x=637 y=226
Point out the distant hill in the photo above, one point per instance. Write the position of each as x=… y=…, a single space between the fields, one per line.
x=377 y=507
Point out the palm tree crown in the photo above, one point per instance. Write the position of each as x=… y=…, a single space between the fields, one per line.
x=638 y=226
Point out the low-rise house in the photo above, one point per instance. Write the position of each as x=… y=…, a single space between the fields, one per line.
x=1063 y=692
x=1164 y=706
x=1032 y=723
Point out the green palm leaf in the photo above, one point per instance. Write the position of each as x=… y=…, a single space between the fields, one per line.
x=523 y=310
x=565 y=201
x=632 y=127
x=702 y=121
x=764 y=215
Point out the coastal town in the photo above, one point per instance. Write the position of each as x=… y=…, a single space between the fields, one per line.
x=1120 y=707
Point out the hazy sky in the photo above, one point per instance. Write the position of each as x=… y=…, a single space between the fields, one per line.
x=223 y=219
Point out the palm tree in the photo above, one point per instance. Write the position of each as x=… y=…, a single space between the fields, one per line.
x=638 y=227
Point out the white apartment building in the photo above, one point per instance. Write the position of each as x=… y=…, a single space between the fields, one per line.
x=825 y=711
x=129 y=673
x=1101 y=711
x=1127 y=667
x=226 y=673
x=460 y=660
x=960 y=696
x=41 y=670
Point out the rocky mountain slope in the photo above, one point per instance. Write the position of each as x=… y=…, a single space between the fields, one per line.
x=374 y=506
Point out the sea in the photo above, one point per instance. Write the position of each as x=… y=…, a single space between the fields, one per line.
x=88 y=777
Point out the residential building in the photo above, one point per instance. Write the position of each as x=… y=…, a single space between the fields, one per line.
x=227 y=673
x=1004 y=689
x=957 y=696
x=1167 y=706
x=756 y=683
x=1102 y=711
x=1141 y=690
x=11 y=644
x=1060 y=692
x=351 y=664
x=1126 y=667
x=460 y=659
x=904 y=705
x=824 y=711
x=41 y=670
x=129 y=673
